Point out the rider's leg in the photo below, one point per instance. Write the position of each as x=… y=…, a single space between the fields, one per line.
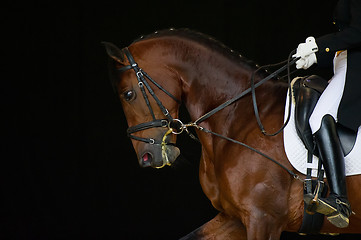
x=331 y=97
x=336 y=206
x=322 y=122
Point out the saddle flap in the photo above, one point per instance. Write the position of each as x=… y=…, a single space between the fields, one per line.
x=307 y=91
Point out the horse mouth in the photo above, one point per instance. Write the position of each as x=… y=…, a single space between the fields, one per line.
x=159 y=157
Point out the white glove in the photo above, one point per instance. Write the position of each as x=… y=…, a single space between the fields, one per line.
x=306 y=62
x=307 y=53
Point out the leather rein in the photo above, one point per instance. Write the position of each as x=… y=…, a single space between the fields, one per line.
x=175 y=126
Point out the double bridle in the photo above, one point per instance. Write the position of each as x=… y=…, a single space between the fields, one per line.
x=175 y=126
x=172 y=124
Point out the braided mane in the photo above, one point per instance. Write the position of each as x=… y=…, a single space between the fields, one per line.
x=202 y=39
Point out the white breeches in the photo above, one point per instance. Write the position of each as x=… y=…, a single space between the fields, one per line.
x=331 y=97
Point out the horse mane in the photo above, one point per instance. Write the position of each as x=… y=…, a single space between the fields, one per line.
x=203 y=39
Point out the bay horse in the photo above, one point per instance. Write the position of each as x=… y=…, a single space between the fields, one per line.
x=256 y=198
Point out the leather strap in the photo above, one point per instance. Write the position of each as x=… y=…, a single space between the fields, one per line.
x=147 y=125
x=245 y=92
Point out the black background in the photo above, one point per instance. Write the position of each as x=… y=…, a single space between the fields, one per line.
x=69 y=171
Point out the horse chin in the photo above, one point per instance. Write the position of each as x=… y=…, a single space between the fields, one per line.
x=158 y=156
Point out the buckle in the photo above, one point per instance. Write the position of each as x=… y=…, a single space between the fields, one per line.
x=164 y=122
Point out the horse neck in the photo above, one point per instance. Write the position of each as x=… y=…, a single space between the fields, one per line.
x=209 y=78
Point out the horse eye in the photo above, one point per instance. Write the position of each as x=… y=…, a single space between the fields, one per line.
x=129 y=95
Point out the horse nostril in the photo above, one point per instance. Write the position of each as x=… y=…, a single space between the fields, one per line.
x=147 y=159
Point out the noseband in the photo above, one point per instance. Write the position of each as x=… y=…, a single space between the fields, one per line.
x=143 y=84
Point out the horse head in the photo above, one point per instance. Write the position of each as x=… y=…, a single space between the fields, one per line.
x=151 y=107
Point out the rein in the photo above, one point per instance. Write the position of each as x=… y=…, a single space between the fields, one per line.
x=250 y=89
x=175 y=126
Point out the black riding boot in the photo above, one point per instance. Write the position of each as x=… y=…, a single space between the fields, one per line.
x=336 y=206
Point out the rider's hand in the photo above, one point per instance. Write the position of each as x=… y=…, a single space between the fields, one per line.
x=307 y=61
x=306 y=52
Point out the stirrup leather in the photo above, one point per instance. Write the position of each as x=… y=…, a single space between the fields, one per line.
x=311 y=199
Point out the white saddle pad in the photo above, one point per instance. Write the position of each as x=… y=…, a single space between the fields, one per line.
x=297 y=153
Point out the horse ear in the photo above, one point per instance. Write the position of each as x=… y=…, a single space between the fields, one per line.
x=114 y=52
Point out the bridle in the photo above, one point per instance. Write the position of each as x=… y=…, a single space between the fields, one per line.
x=175 y=126
x=169 y=122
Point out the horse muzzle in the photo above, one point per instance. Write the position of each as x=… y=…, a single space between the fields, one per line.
x=158 y=155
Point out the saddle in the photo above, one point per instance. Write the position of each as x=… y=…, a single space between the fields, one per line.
x=306 y=92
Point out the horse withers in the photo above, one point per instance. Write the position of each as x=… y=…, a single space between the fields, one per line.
x=256 y=198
